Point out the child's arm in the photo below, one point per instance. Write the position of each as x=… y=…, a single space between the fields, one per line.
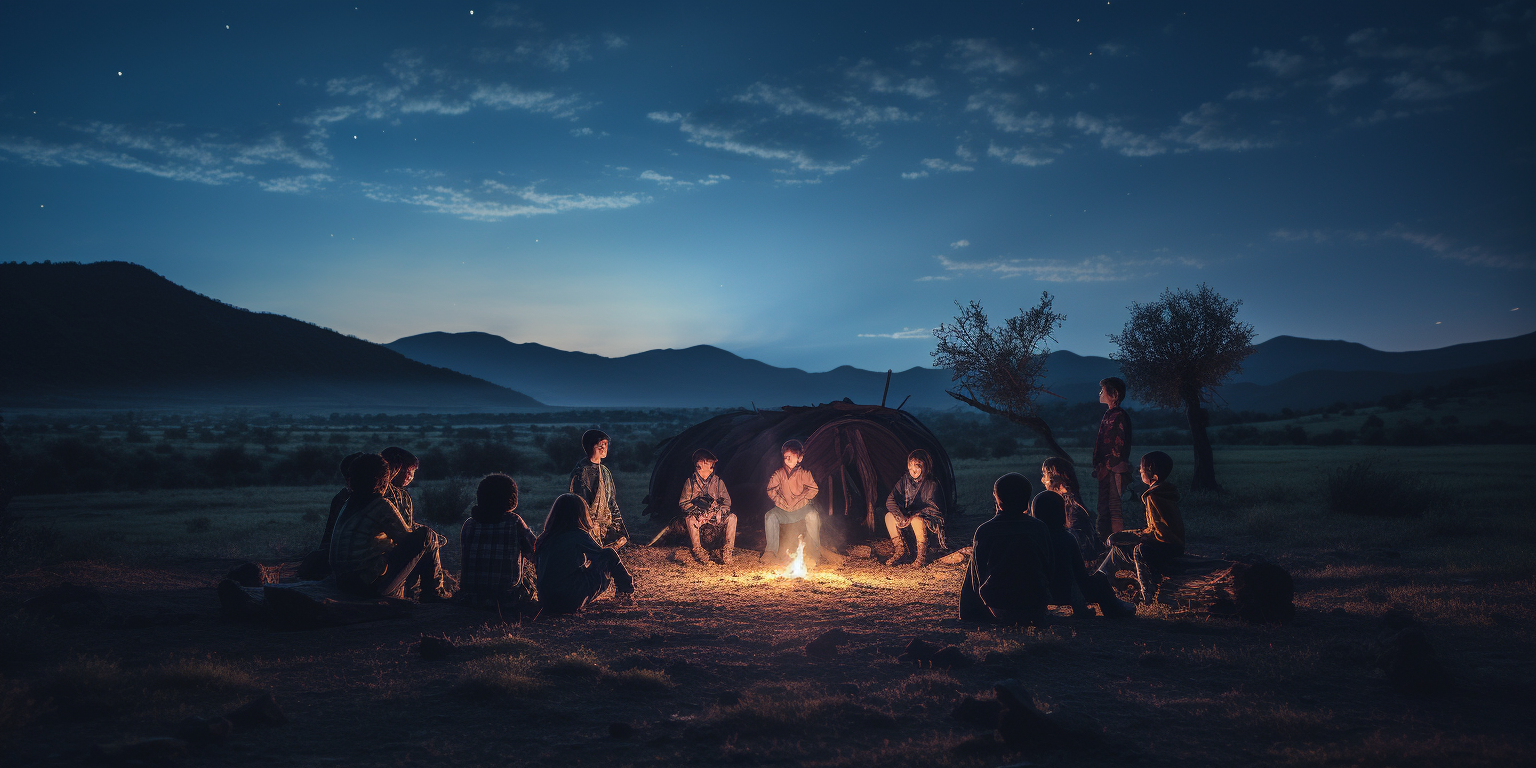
x=774 y=494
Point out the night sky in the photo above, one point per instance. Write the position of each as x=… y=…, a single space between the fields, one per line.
x=810 y=186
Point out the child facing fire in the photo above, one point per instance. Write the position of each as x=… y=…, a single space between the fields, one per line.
x=912 y=504
x=706 y=506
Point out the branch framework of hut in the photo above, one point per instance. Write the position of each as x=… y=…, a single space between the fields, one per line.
x=855 y=452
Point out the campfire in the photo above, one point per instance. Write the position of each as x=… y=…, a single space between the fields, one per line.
x=796 y=567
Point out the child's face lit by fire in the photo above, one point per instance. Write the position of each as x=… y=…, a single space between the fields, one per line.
x=1107 y=397
x=1148 y=477
x=705 y=469
x=915 y=469
x=1049 y=481
x=791 y=459
x=600 y=451
x=404 y=477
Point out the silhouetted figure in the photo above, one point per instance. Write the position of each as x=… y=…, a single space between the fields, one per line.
x=317 y=564
x=493 y=542
x=1071 y=583
x=572 y=568
x=375 y=551
x=1008 y=581
x=1111 y=455
x=1059 y=477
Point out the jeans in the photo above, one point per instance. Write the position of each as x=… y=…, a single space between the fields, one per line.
x=1147 y=559
x=1111 y=487
x=778 y=516
x=413 y=556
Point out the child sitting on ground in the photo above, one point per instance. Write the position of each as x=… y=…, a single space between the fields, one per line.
x=706 y=506
x=375 y=551
x=494 y=541
x=1008 y=581
x=1059 y=476
x=572 y=568
x=913 y=504
x=1071 y=584
x=1151 y=549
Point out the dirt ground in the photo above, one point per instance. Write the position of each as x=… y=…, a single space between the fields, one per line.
x=709 y=667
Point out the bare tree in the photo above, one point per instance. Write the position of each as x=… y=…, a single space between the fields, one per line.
x=1175 y=351
x=1001 y=370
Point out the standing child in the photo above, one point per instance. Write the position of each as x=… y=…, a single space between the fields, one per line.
x=494 y=541
x=1111 y=455
x=1154 y=547
x=706 y=506
x=791 y=489
x=593 y=482
x=912 y=504
x=572 y=568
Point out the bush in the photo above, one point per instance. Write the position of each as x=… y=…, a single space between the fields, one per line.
x=307 y=464
x=1362 y=489
x=447 y=501
x=563 y=449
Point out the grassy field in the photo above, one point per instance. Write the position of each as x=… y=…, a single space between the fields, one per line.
x=1171 y=686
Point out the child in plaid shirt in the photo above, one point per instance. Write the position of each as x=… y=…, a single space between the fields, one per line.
x=495 y=539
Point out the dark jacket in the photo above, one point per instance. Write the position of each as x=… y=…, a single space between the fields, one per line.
x=1067 y=572
x=561 y=564
x=1112 y=447
x=1164 y=522
x=337 y=502
x=1011 y=563
x=917 y=498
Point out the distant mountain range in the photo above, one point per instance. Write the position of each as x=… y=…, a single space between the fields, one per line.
x=113 y=334
x=1285 y=371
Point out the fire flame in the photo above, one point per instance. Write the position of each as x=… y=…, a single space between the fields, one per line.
x=796 y=567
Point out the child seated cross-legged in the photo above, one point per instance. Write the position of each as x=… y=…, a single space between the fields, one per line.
x=1149 y=551
x=1008 y=581
x=572 y=568
x=494 y=541
x=706 y=506
x=1071 y=584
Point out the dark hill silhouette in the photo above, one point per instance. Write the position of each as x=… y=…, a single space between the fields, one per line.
x=1282 y=357
x=116 y=334
x=1284 y=373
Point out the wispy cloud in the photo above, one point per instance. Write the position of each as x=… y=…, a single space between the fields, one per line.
x=905 y=333
x=1279 y=63
x=297 y=185
x=1027 y=156
x=879 y=80
x=984 y=56
x=669 y=181
x=1441 y=246
x=960 y=244
x=167 y=153
x=1212 y=128
x=1112 y=136
x=1094 y=269
x=494 y=201
x=735 y=140
x=413 y=87
x=846 y=111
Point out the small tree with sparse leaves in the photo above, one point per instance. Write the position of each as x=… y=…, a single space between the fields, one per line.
x=1001 y=370
x=1175 y=351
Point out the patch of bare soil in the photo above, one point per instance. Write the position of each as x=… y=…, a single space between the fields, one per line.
x=710 y=666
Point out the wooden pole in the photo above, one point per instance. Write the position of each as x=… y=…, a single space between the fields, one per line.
x=887 y=387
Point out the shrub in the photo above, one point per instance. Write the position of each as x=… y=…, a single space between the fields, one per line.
x=642 y=680
x=563 y=449
x=307 y=464
x=580 y=663
x=447 y=501
x=204 y=674
x=1363 y=489
x=500 y=676
x=482 y=457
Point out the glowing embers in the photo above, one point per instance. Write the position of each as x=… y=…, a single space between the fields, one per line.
x=796 y=568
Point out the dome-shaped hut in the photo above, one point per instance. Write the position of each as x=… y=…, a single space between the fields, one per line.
x=856 y=453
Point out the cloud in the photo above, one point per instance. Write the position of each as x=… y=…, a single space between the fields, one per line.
x=931 y=278
x=1210 y=128
x=494 y=201
x=736 y=141
x=937 y=165
x=415 y=88
x=1112 y=136
x=1003 y=109
x=161 y=152
x=914 y=175
x=296 y=185
x=1094 y=269
x=846 y=111
x=1441 y=84
x=1279 y=63
x=886 y=81
x=1445 y=248
x=1346 y=79
x=960 y=244
x=984 y=56
x=658 y=178
x=905 y=333
x=1026 y=156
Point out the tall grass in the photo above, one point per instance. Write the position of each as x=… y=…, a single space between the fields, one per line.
x=1364 y=488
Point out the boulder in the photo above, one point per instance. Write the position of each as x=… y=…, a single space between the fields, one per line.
x=1411 y=665
x=826 y=644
